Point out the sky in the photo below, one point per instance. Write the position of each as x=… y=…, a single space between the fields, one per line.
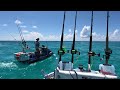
x=47 y=25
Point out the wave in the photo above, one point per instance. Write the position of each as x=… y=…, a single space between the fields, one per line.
x=8 y=65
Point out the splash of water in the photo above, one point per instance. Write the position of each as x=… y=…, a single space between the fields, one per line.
x=8 y=65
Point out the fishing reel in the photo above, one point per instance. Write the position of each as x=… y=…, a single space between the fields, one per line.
x=73 y=51
x=91 y=53
x=107 y=53
x=61 y=51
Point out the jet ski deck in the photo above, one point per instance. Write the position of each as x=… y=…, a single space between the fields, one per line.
x=31 y=57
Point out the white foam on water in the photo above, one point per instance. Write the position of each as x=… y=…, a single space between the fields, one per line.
x=0 y=76
x=54 y=54
x=33 y=64
x=8 y=65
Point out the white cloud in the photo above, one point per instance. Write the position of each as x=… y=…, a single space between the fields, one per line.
x=115 y=35
x=34 y=27
x=69 y=30
x=84 y=32
x=68 y=37
x=4 y=25
x=18 y=22
x=33 y=35
x=23 y=26
x=76 y=31
x=116 y=32
x=98 y=37
x=25 y=31
x=84 y=35
x=52 y=38
x=94 y=34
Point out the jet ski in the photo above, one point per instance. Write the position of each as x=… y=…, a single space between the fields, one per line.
x=31 y=57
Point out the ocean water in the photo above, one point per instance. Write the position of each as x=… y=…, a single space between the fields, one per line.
x=12 y=69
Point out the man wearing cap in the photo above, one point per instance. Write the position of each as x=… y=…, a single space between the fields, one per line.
x=38 y=51
x=37 y=44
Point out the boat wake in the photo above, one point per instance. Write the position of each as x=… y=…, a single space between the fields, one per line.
x=8 y=65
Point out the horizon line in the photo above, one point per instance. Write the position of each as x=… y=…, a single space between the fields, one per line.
x=52 y=41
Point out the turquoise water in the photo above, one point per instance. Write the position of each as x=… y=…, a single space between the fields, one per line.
x=11 y=69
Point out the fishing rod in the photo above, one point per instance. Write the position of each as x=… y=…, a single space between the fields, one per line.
x=73 y=51
x=22 y=38
x=13 y=37
x=108 y=51
x=91 y=53
x=61 y=50
x=90 y=45
x=20 y=31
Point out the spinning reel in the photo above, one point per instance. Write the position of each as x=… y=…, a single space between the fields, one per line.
x=91 y=53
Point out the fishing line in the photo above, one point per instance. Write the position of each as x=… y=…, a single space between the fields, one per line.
x=91 y=62
x=22 y=38
x=13 y=37
x=20 y=32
